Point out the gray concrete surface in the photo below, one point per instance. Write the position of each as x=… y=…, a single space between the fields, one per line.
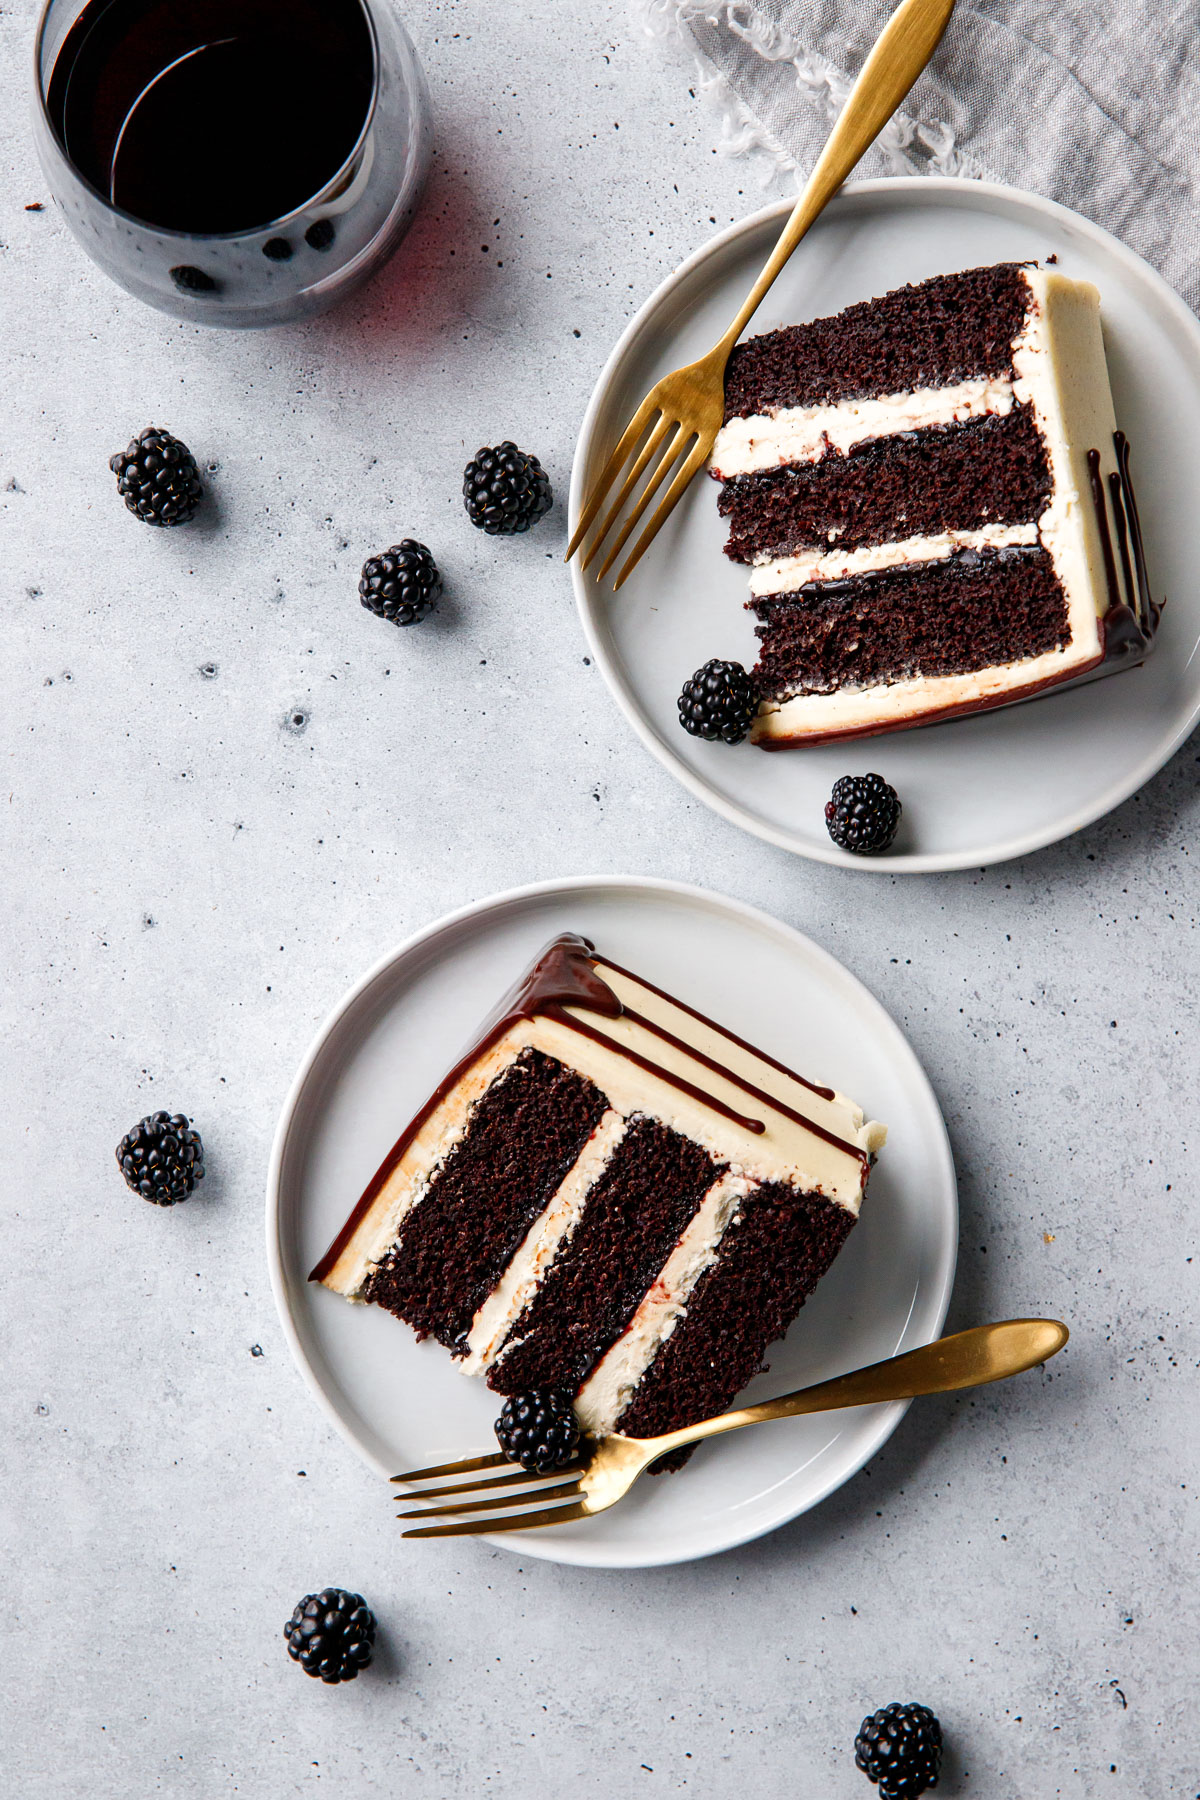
x=189 y=883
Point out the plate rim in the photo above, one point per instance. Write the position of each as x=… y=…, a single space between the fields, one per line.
x=948 y=187
x=545 y=1545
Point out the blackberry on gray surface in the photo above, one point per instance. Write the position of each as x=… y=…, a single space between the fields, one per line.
x=863 y=815
x=402 y=584
x=157 y=478
x=900 y=1748
x=718 y=702
x=538 y=1430
x=331 y=1634
x=162 y=1158
x=505 y=489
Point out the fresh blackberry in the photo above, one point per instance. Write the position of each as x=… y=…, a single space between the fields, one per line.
x=864 y=814
x=331 y=1634
x=505 y=489
x=162 y=1158
x=401 y=585
x=158 y=479
x=718 y=702
x=538 y=1430
x=900 y=1747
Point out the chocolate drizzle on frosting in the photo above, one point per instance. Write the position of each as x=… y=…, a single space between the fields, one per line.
x=824 y=1093
x=565 y=976
x=1118 y=511
x=1147 y=605
x=1132 y=616
x=652 y=1068
x=747 y=1087
x=1110 y=567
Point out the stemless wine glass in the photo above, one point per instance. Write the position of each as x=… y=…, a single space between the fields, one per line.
x=279 y=269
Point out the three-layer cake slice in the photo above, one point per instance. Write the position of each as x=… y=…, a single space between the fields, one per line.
x=934 y=500
x=609 y=1194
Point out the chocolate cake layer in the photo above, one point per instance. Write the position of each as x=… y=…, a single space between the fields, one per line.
x=948 y=477
x=634 y=1214
x=954 y=328
x=525 y=1134
x=772 y=1258
x=967 y=612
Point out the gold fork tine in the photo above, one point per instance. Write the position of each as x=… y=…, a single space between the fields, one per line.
x=455 y=1468
x=694 y=396
x=670 y=456
x=612 y=469
x=664 y=509
x=554 y=1515
x=495 y=1481
x=562 y=1492
x=664 y=425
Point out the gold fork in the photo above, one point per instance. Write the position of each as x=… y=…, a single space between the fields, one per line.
x=604 y=1473
x=684 y=411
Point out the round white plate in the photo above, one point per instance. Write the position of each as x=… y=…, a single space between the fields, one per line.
x=404 y=1405
x=974 y=790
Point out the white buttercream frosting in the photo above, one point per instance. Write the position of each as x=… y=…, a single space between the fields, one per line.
x=785 y=574
x=857 y=711
x=1063 y=375
x=796 y=434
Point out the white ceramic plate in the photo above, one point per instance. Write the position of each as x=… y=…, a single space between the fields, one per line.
x=404 y=1405
x=974 y=790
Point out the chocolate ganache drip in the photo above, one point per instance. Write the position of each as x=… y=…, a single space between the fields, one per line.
x=1132 y=616
x=1149 y=608
x=565 y=976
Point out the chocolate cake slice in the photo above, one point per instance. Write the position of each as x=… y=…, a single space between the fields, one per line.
x=935 y=504
x=609 y=1194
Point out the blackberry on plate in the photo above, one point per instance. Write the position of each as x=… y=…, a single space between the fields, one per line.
x=718 y=702
x=402 y=584
x=863 y=815
x=900 y=1748
x=505 y=489
x=157 y=478
x=331 y=1634
x=162 y=1158
x=538 y=1430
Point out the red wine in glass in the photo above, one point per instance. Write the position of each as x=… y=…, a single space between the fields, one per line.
x=220 y=121
x=212 y=117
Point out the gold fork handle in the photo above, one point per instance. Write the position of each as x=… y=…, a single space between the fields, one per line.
x=901 y=51
x=968 y=1359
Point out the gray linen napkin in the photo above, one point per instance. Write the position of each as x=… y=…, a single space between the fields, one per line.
x=1095 y=105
